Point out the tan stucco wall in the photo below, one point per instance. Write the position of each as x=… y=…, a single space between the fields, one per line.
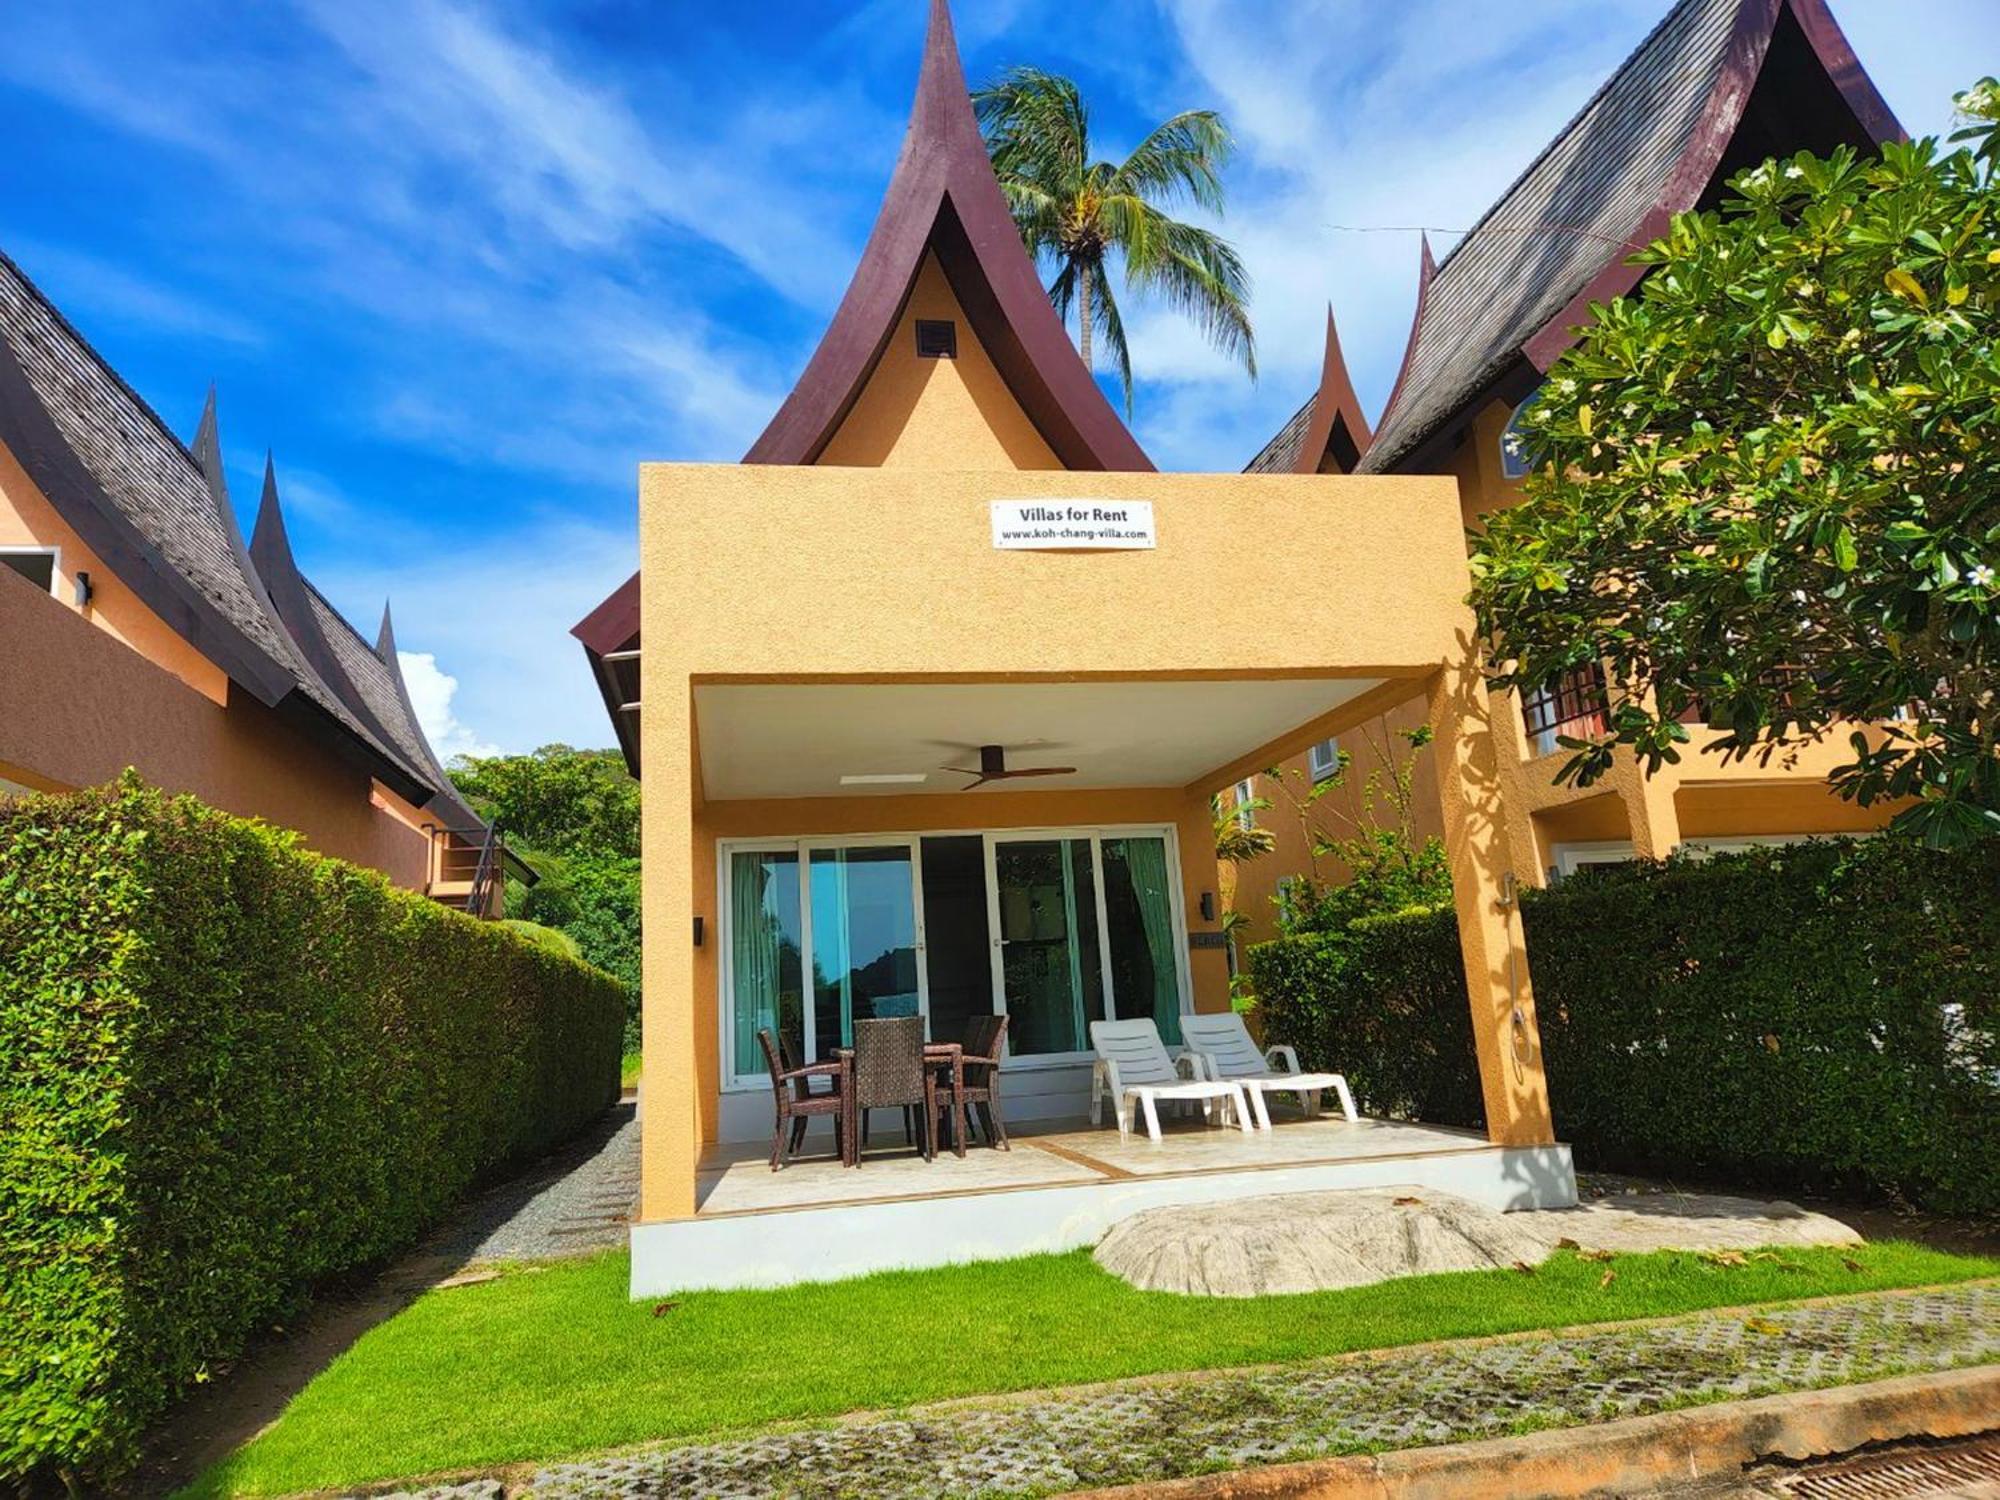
x=1254 y=885
x=27 y=519
x=937 y=413
x=768 y=574
x=77 y=706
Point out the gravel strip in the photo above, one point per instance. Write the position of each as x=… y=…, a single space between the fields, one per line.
x=577 y=1201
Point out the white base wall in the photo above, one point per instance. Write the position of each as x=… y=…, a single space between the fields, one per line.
x=831 y=1241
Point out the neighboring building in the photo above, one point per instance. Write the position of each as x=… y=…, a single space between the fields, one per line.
x=853 y=647
x=140 y=631
x=1719 y=86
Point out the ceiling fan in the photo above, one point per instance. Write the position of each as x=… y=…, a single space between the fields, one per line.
x=993 y=767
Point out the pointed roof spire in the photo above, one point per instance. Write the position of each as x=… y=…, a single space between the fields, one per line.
x=291 y=597
x=270 y=546
x=1427 y=268
x=385 y=638
x=1338 y=423
x=943 y=199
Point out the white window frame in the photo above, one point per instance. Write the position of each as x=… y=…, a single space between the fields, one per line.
x=1736 y=843
x=53 y=553
x=1321 y=771
x=1569 y=858
x=803 y=847
x=1246 y=792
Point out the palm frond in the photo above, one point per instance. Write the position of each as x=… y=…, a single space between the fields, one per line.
x=1075 y=212
x=1181 y=160
x=1198 y=274
x=1035 y=123
x=1111 y=324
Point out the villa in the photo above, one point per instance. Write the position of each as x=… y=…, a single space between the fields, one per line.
x=1719 y=86
x=910 y=747
x=141 y=631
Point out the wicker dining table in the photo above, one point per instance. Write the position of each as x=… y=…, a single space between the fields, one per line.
x=936 y=1055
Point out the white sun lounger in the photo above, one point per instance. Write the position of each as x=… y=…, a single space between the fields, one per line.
x=1132 y=1063
x=1223 y=1043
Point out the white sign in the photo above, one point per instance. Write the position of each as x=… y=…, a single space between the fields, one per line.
x=1124 y=525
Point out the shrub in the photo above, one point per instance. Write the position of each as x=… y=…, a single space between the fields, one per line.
x=1382 y=1000
x=1821 y=1015
x=229 y=1070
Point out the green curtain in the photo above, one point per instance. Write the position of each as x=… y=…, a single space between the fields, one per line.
x=1147 y=861
x=753 y=958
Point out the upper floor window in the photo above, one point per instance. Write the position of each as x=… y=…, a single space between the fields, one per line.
x=1575 y=706
x=36 y=564
x=1323 y=760
x=1246 y=792
x=1517 y=459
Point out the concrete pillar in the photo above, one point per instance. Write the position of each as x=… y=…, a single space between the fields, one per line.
x=1649 y=805
x=1489 y=930
x=669 y=1109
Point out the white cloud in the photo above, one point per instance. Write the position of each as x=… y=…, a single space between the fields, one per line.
x=1355 y=118
x=77 y=280
x=432 y=690
x=520 y=678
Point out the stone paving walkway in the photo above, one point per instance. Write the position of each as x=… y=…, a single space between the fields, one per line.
x=1136 y=1431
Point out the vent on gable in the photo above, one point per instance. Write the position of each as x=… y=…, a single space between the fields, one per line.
x=937 y=338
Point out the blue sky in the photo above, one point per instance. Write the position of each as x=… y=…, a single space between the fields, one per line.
x=463 y=264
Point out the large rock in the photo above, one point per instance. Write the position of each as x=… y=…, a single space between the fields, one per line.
x=1311 y=1242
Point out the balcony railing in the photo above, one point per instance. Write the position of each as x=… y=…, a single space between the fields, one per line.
x=1575 y=706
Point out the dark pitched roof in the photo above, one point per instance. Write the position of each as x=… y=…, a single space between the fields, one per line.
x=610 y=629
x=1331 y=419
x=943 y=199
x=118 y=476
x=337 y=656
x=158 y=514
x=1649 y=144
x=378 y=672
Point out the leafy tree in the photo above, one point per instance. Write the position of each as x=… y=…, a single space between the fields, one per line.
x=1080 y=213
x=1765 y=493
x=1380 y=863
x=574 y=816
x=1238 y=842
x=556 y=799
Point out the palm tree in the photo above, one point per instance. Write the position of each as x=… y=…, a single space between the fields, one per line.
x=1078 y=212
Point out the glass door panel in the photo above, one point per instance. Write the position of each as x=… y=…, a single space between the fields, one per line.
x=1050 y=963
x=958 y=942
x=765 y=941
x=1139 y=926
x=864 y=940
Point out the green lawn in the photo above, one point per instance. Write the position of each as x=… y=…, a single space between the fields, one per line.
x=628 y=1071
x=553 y=1361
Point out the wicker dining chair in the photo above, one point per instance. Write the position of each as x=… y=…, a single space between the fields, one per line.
x=802 y=1079
x=795 y=1102
x=985 y=1038
x=889 y=1073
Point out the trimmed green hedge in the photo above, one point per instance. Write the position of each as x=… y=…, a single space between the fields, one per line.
x=229 y=1070
x=1822 y=1015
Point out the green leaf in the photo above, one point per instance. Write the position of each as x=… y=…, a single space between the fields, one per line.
x=1906 y=286
x=1846 y=554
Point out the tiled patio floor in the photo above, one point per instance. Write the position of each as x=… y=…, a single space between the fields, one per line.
x=738 y=1179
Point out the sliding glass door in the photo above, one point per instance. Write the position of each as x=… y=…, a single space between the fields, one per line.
x=807 y=962
x=1085 y=930
x=865 y=953
x=1054 y=929
x=1049 y=957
